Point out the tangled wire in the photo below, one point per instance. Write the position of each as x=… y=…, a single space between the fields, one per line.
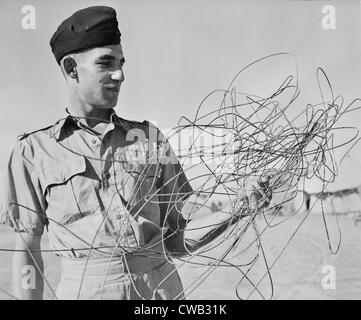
x=257 y=138
x=236 y=139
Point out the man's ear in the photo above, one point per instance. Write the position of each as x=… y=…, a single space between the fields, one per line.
x=70 y=65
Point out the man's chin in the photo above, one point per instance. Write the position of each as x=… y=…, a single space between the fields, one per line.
x=108 y=104
x=111 y=103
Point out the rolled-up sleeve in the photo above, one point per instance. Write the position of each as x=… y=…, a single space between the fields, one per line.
x=22 y=202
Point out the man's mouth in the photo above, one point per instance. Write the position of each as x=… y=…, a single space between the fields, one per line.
x=112 y=88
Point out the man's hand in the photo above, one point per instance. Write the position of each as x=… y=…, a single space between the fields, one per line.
x=259 y=194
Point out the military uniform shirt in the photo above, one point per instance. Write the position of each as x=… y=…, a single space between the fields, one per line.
x=102 y=189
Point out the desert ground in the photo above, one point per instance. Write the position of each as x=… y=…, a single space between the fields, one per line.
x=297 y=274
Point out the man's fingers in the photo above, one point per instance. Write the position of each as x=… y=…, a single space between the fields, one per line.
x=261 y=195
x=253 y=201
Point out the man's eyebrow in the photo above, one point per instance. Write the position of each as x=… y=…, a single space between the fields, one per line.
x=110 y=57
x=106 y=57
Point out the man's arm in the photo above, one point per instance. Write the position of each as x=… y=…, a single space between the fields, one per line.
x=200 y=231
x=22 y=207
x=184 y=237
x=27 y=280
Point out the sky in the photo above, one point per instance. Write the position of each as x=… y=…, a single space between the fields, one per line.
x=176 y=53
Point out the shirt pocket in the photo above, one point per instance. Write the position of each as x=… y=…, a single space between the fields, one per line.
x=69 y=193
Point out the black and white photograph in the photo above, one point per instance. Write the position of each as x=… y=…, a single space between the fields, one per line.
x=187 y=150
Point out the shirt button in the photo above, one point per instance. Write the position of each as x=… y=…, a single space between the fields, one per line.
x=94 y=141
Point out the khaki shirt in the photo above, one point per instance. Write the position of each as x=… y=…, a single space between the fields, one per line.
x=114 y=191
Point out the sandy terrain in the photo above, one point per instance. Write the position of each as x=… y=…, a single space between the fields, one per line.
x=296 y=275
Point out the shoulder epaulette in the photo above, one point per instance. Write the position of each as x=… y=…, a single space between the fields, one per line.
x=148 y=123
x=25 y=135
x=145 y=122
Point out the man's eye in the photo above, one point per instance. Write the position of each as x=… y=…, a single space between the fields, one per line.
x=104 y=63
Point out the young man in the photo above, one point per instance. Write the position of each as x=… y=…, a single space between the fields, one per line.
x=110 y=201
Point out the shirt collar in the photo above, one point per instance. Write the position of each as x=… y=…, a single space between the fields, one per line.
x=61 y=127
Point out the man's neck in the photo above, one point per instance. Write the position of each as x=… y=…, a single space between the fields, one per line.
x=90 y=116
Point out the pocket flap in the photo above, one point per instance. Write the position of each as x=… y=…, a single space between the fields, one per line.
x=62 y=172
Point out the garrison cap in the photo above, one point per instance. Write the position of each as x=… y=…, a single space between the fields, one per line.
x=87 y=28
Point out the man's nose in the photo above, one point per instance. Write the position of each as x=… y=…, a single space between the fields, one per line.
x=118 y=75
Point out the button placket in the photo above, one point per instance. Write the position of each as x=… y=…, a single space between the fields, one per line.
x=106 y=165
x=95 y=141
x=105 y=179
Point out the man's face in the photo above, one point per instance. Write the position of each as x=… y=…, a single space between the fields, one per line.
x=100 y=74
